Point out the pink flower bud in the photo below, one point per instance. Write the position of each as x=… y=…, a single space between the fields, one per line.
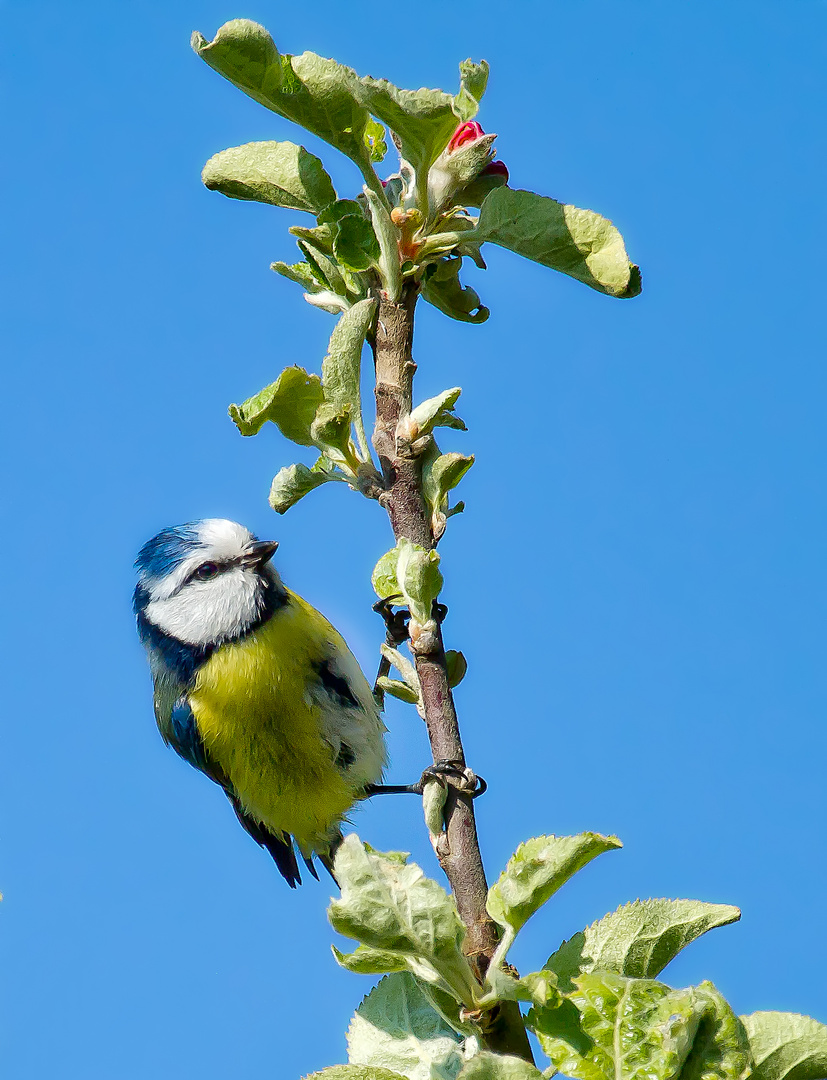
x=468 y=132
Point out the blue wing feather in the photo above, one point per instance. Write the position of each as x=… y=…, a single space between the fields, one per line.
x=185 y=738
x=182 y=734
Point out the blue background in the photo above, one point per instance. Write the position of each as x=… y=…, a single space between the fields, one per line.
x=638 y=582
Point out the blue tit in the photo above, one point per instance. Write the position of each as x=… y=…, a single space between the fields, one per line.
x=256 y=689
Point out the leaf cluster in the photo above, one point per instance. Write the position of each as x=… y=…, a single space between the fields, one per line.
x=596 y=1006
x=418 y=223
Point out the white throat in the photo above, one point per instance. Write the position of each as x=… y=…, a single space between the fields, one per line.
x=208 y=612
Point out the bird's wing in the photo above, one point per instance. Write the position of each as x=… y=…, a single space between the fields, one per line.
x=180 y=731
x=280 y=847
x=185 y=739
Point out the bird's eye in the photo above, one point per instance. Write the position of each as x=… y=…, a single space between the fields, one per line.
x=205 y=571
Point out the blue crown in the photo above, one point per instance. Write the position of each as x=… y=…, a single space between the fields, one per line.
x=160 y=555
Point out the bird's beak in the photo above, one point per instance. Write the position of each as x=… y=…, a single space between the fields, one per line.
x=258 y=553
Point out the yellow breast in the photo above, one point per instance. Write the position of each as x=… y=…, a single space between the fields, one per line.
x=260 y=724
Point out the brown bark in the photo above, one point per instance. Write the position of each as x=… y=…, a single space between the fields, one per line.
x=459 y=853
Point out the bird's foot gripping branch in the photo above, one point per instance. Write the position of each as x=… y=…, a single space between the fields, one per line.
x=450 y=1005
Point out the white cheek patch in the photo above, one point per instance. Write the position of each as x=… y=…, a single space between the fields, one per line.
x=207 y=612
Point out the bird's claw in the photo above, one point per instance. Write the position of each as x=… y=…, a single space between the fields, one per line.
x=396 y=622
x=470 y=784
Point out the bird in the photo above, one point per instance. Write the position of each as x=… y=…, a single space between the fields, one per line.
x=256 y=689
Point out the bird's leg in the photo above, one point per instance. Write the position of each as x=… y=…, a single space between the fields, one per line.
x=471 y=784
x=396 y=633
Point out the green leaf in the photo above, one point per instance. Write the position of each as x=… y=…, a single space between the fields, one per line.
x=640 y=1029
x=316 y=93
x=440 y=474
x=398 y=690
x=445 y=291
x=397 y=1028
x=389 y=269
x=638 y=939
x=423 y=119
x=384 y=580
x=559 y=1024
x=488 y=1066
x=473 y=81
x=456 y=666
x=375 y=140
x=720 y=1050
x=403 y=665
x=536 y=870
x=435 y=412
x=335 y=211
x=293 y=482
x=419 y=577
x=355 y=1072
x=786 y=1046
x=301 y=273
x=367 y=961
x=290 y=403
x=279 y=173
x=331 y=428
x=355 y=244
x=475 y=193
x=320 y=238
x=330 y=275
x=576 y=242
x=342 y=365
x=539 y=988
x=390 y=905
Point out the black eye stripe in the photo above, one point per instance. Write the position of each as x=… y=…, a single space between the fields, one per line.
x=206 y=571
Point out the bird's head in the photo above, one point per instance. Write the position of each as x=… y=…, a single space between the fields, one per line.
x=206 y=582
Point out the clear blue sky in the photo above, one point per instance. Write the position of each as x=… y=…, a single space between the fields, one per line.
x=638 y=582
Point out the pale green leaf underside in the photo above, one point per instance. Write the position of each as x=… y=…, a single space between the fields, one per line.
x=383 y=578
x=310 y=90
x=537 y=869
x=423 y=119
x=441 y=475
x=405 y=693
x=290 y=402
x=333 y=102
x=786 y=1046
x=355 y=1072
x=639 y=939
x=486 y=1066
x=444 y=290
x=437 y=411
x=576 y=242
x=279 y=173
x=292 y=483
x=473 y=81
x=389 y=904
x=367 y=961
x=342 y=365
x=397 y=1028
x=420 y=579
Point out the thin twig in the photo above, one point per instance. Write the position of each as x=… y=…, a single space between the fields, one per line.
x=459 y=852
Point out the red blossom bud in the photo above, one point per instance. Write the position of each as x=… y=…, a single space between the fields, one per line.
x=496 y=168
x=468 y=132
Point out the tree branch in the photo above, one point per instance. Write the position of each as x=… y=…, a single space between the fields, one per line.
x=459 y=851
